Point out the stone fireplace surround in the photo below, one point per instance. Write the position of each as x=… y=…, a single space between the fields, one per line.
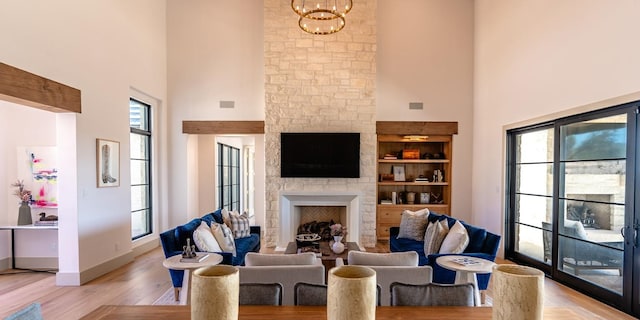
x=290 y=203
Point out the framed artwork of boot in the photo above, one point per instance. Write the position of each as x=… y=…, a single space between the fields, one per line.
x=108 y=163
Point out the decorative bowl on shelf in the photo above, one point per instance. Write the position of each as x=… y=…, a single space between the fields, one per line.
x=308 y=237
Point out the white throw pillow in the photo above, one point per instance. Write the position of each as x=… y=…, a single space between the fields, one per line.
x=413 y=224
x=456 y=240
x=204 y=239
x=223 y=235
x=435 y=234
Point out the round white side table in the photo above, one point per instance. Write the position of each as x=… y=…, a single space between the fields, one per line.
x=175 y=264
x=467 y=273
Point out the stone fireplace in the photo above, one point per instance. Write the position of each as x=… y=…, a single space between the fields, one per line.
x=292 y=205
x=319 y=84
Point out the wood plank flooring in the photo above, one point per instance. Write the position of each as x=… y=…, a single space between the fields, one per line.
x=145 y=279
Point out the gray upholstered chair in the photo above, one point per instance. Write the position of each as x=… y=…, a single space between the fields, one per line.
x=266 y=294
x=286 y=269
x=311 y=294
x=432 y=294
x=391 y=267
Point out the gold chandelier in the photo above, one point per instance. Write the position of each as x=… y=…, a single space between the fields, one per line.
x=321 y=16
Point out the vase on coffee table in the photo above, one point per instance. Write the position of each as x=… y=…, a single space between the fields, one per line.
x=337 y=246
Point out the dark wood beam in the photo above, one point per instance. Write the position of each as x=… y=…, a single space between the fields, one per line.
x=223 y=127
x=416 y=127
x=21 y=87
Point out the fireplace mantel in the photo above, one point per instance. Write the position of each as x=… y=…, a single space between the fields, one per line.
x=290 y=218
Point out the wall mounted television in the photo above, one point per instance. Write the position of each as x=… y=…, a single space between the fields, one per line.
x=319 y=155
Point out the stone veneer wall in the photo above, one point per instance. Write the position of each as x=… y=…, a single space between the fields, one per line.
x=320 y=83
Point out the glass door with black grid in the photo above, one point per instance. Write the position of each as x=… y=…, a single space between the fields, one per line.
x=572 y=188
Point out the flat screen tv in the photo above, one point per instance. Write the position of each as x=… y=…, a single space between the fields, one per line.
x=319 y=155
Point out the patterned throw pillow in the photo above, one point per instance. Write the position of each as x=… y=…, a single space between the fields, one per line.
x=225 y=217
x=456 y=240
x=435 y=234
x=413 y=224
x=239 y=224
x=204 y=239
x=223 y=235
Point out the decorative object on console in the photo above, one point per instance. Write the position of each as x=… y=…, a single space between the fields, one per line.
x=24 y=211
x=45 y=217
x=50 y=220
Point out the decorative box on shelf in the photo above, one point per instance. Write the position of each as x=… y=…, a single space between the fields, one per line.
x=410 y=154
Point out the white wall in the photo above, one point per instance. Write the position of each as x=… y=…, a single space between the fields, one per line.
x=534 y=59
x=215 y=53
x=425 y=54
x=103 y=48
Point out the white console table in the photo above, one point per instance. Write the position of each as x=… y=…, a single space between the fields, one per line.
x=24 y=227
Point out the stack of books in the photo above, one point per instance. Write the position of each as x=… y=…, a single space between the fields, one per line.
x=47 y=223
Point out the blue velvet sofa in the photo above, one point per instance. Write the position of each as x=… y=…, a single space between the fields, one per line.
x=172 y=241
x=482 y=244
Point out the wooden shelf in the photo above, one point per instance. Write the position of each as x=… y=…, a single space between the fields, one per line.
x=409 y=183
x=398 y=138
x=402 y=161
x=414 y=206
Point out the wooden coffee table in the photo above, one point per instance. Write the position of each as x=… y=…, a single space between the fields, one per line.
x=328 y=257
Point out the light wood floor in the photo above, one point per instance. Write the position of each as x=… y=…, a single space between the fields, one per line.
x=144 y=280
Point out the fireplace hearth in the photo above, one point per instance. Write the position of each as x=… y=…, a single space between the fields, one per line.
x=291 y=216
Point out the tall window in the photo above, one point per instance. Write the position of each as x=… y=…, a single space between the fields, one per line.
x=229 y=177
x=140 y=141
x=571 y=188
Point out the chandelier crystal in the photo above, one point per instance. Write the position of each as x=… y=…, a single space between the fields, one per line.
x=321 y=16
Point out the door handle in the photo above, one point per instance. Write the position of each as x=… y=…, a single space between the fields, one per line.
x=635 y=235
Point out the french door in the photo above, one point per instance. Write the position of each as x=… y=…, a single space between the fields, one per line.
x=573 y=184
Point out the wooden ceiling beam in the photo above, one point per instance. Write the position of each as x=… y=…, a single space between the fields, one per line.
x=223 y=127
x=25 y=88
